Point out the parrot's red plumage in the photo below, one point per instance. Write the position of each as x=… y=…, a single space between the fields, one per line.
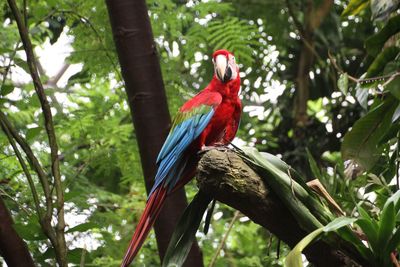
x=210 y=118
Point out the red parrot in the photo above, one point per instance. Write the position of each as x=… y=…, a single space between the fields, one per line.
x=211 y=118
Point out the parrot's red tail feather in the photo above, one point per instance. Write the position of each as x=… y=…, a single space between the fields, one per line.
x=150 y=213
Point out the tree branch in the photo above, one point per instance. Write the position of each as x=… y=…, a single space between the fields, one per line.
x=33 y=161
x=24 y=168
x=61 y=249
x=226 y=177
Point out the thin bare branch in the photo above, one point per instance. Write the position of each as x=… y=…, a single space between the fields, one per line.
x=7 y=69
x=223 y=240
x=33 y=161
x=390 y=76
x=61 y=250
x=24 y=168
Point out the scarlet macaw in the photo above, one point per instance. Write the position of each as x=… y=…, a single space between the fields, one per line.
x=210 y=118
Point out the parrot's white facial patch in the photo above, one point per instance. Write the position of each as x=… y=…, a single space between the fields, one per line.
x=234 y=67
x=225 y=68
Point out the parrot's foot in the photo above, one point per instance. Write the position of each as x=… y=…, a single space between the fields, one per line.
x=221 y=148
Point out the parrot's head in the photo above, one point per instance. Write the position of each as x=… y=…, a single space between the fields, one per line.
x=225 y=67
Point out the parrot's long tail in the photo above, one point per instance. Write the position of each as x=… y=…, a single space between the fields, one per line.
x=150 y=213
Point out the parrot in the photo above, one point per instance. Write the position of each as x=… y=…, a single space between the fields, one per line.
x=210 y=119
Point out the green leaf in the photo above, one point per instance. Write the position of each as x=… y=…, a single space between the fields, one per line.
x=354 y=7
x=381 y=61
x=375 y=43
x=394 y=242
x=82 y=227
x=343 y=83
x=361 y=143
x=386 y=225
x=6 y=89
x=48 y=254
x=207 y=221
x=276 y=175
x=277 y=162
x=395 y=199
x=293 y=259
x=313 y=165
x=184 y=233
x=396 y=114
x=31 y=133
x=394 y=87
x=338 y=223
x=370 y=231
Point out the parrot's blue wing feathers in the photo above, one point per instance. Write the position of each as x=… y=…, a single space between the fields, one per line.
x=186 y=128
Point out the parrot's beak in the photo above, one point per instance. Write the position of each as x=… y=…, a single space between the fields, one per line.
x=222 y=69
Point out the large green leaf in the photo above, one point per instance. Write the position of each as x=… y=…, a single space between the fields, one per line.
x=375 y=43
x=6 y=89
x=361 y=143
x=293 y=259
x=83 y=227
x=313 y=165
x=289 y=191
x=394 y=87
x=395 y=199
x=184 y=233
x=382 y=60
x=370 y=231
x=386 y=225
x=394 y=242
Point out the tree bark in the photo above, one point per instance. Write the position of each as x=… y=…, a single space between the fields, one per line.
x=146 y=98
x=12 y=248
x=228 y=179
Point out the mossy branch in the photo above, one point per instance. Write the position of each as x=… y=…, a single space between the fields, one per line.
x=228 y=179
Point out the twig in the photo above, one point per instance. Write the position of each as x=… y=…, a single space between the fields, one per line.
x=83 y=256
x=4 y=193
x=24 y=168
x=338 y=69
x=367 y=80
x=91 y=26
x=61 y=250
x=7 y=69
x=302 y=32
x=45 y=221
x=33 y=161
x=223 y=241
x=297 y=23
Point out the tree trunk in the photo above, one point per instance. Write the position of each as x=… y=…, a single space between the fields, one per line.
x=146 y=97
x=313 y=17
x=12 y=248
x=228 y=179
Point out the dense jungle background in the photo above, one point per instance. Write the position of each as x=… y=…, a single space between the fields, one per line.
x=320 y=89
